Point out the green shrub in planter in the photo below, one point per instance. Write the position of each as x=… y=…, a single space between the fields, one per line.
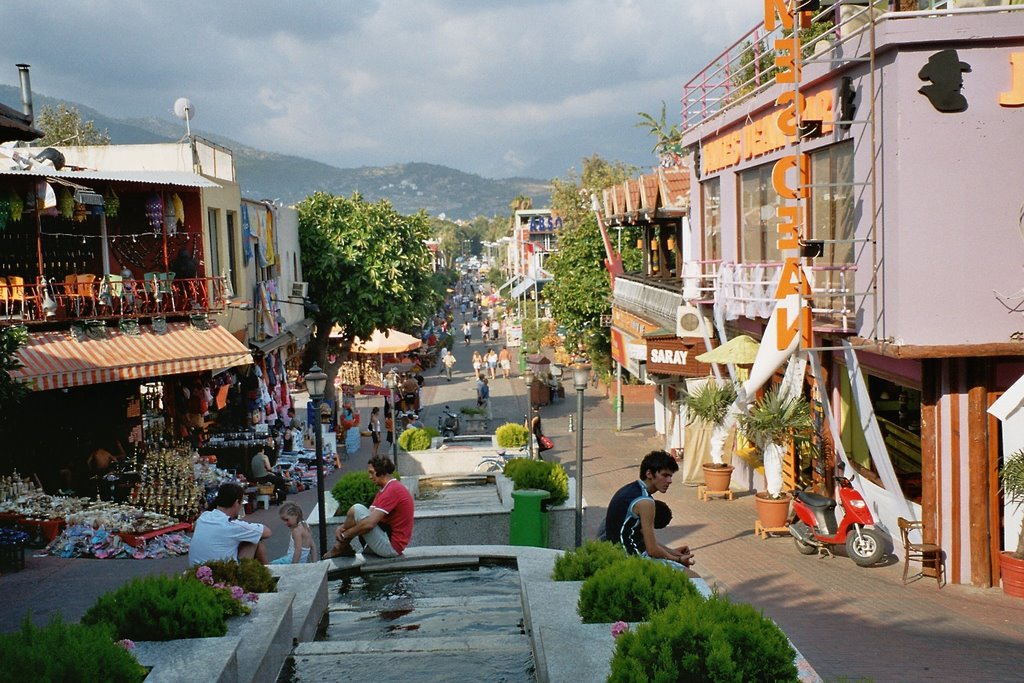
x=164 y=608
x=704 y=640
x=66 y=652
x=511 y=435
x=250 y=574
x=417 y=438
x=585 y=561
x=354 y=487
x=526 y=473
x=632 y=590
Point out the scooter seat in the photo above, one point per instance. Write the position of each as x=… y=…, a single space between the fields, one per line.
x=815 y=501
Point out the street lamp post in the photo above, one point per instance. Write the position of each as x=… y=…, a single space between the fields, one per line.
x=528 y=378
x=580 y=379
x=391 y=382
x=316 y=384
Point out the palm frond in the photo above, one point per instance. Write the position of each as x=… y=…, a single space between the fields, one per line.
x=711 y=402
x=775 y=419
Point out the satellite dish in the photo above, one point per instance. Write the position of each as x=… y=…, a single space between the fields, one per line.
x=184 y=109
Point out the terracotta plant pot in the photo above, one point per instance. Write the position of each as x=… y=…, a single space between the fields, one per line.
x=1013 y=574
x=716 y=477
x=772 y=512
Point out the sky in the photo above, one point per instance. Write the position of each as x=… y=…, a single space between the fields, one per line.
x=497 y=88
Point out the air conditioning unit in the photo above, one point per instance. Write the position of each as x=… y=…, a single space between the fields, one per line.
x=299 y=290
x=688 y=322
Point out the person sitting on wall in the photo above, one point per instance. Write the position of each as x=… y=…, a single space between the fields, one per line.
x=383 y=529
x=263 y=473
x=220 y=535
x=631 y=512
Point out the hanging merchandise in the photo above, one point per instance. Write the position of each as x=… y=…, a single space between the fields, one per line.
x=154 y=211
x=179 y=210
x=80 y=213
x=111 y=203
x=261 y=235
x=66 y=203
x=17 y=206
x=246 y=236
x=271 y=254
x=5 y=211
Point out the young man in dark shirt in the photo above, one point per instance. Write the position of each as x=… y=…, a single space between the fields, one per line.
x=631 y=512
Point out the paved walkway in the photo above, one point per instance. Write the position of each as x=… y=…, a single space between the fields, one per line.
x=861 y=624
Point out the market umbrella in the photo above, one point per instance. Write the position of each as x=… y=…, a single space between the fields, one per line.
x=392 y=341
x=741 y=350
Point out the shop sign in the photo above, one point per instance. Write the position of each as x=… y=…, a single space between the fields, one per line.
x=626 y=347
x=676 y=356
x=632 y=324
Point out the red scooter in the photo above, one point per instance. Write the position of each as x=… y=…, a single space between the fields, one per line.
x=816 y=528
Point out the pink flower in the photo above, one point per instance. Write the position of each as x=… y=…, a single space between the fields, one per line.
x=237 y=592
x=252 y=598
x=618 y=628
x=205 y=574
x=127 y=644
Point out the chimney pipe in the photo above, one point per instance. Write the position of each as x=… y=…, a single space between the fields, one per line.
x=26 y=92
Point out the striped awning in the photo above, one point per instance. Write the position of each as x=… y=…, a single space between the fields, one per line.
x=55 y=360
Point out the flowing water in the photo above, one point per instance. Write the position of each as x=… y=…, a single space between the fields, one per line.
x=446 y=625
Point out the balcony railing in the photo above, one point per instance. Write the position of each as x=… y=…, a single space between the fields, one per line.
x=108 y=298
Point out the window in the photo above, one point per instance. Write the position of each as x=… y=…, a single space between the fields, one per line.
x=758 y=216
x=232 y=257
x=832 y=202
x=213 y=258
x=711 y=201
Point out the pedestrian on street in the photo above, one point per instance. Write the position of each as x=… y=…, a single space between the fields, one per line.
x=449 y=362
x=492 y=364
x=505 y=361
x=440 y=358
x=478 y=364
x=630 y=518
x=375 y=429
x=467 y=332
x=495 y=328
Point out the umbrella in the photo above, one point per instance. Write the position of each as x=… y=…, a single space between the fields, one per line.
x=741 y=350
x=392 y=341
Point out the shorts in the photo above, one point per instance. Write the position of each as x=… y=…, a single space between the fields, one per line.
x=375 y=436
x=506 y=365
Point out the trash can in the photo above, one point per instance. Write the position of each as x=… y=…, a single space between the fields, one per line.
x=522 y=362
x=528 y=523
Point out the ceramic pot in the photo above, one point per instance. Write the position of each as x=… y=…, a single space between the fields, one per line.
x=771 y=511
x=1013 y=574
x=716 y=478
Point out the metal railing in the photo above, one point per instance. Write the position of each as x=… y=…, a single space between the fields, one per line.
x=111 y=298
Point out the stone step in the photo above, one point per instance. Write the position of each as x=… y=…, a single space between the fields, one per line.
x=492 y=601
x=458 y=644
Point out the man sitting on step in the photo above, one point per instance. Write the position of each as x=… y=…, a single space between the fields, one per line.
x=383 y=529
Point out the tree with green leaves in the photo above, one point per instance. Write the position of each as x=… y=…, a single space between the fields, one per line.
x=580 y=291
x=368 y=268
x=64 y=126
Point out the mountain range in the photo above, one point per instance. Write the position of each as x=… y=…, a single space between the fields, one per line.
x=438 y=190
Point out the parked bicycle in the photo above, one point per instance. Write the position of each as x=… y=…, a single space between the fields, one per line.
x=496 y=463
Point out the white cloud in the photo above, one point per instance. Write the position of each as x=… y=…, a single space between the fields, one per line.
x=485 y=86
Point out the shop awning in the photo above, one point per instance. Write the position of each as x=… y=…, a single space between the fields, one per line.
x=508 y=283
x=55 y=360
x=519 y=289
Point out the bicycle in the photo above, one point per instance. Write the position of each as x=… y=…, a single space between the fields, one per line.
x=496 y=463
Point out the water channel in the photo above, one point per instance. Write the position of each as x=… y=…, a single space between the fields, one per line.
x=462 y=623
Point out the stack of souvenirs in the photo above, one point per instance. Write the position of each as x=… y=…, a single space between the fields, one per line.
x=167 y=484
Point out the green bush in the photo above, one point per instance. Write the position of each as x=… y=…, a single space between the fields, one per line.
x=527 y=473
x=164 y=608
x=585 y=561
x=354 y=487
x=417 y=438
x=248 y=573
x=632 y=590
x=707 y=640
x=66 y=652
x=511 y=435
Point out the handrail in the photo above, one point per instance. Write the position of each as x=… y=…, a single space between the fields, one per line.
x=53 y=303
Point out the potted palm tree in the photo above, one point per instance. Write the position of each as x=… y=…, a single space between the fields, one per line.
x=1012 y=563
x=712 y=403
x=771 y=423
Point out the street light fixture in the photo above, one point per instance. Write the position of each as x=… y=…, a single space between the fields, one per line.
x=580 y=380
x=391 y=382
x=316 y=385
x=528 y=378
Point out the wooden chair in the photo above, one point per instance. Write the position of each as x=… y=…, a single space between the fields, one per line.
x=16 y=293
x=86 y=291
x=928 y=554
x=74 y=304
